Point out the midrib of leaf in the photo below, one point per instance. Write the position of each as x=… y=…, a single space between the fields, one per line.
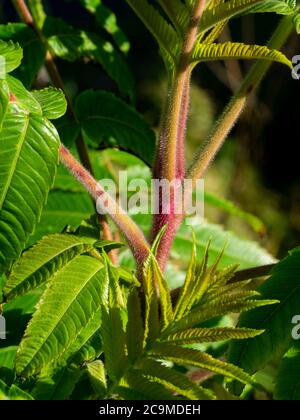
x=60 y=317
x=115 y=120
x=270 y=315
x=16 y=159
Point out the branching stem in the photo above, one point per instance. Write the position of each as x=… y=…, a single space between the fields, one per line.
x=224 y=125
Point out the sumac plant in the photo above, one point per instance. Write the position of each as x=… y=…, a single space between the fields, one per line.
x=100 y=303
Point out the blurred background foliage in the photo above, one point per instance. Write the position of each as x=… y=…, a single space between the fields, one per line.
x=258 y=168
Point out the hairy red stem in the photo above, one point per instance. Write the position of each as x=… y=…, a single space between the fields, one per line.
x=170 y=163
x=133 y=235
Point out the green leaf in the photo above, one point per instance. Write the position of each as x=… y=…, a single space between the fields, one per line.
x=69 y=130
x=126 y=393
x=52 y=101
x=238 y=51
x=22 y=97
x=281 y=7
x=114 y=342
x=38 y=12
x=228 y=9
x=107 y=20
x=232 y=209
x=134 y=328
x=13 y=393
x=284 y=286
x=33 y=50
x=97 y=376
x=173 y=380
x=72 y=44
x=57 y=385
x=213 y=310
x=152 y=323
x=177 y=12
x=164 y=33
x=189 y=357
x=7 y=357
x=42 y=261
x=297 y=23
x=209 y=335
x=72 y=298
x=142 y=388
x=288 y=379
x=57 y=382
x=163 y=292
x=28 y=158
x=188 y=285
x=11 y=56
x=88 y=344
x=237 y=251
x=63 y=209
x=107 y=119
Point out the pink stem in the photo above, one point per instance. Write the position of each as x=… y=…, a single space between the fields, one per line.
x=133 y=235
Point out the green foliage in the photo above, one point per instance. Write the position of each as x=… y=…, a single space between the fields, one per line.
x=13 y=393
x=84 y=324
x=283 y=285
x=12 y=54
x=7 y=357
x=231 y=208
x=237 y=251
x=115 y=125
x=33 y=51
x=73 y=44
x=29 y=154
x=297 y=23
x=288 y=379
x=235 y=50
x=54 y=328
x=46 y=258
x=51 y=101
x=214 y=17
x=60 y=339
x=107 y=20
x=159 y=28
x=64 y=208
x=229 y=9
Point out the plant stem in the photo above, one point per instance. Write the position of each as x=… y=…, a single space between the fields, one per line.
x=208 y=151
x=55 y=76
x=134 y=236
